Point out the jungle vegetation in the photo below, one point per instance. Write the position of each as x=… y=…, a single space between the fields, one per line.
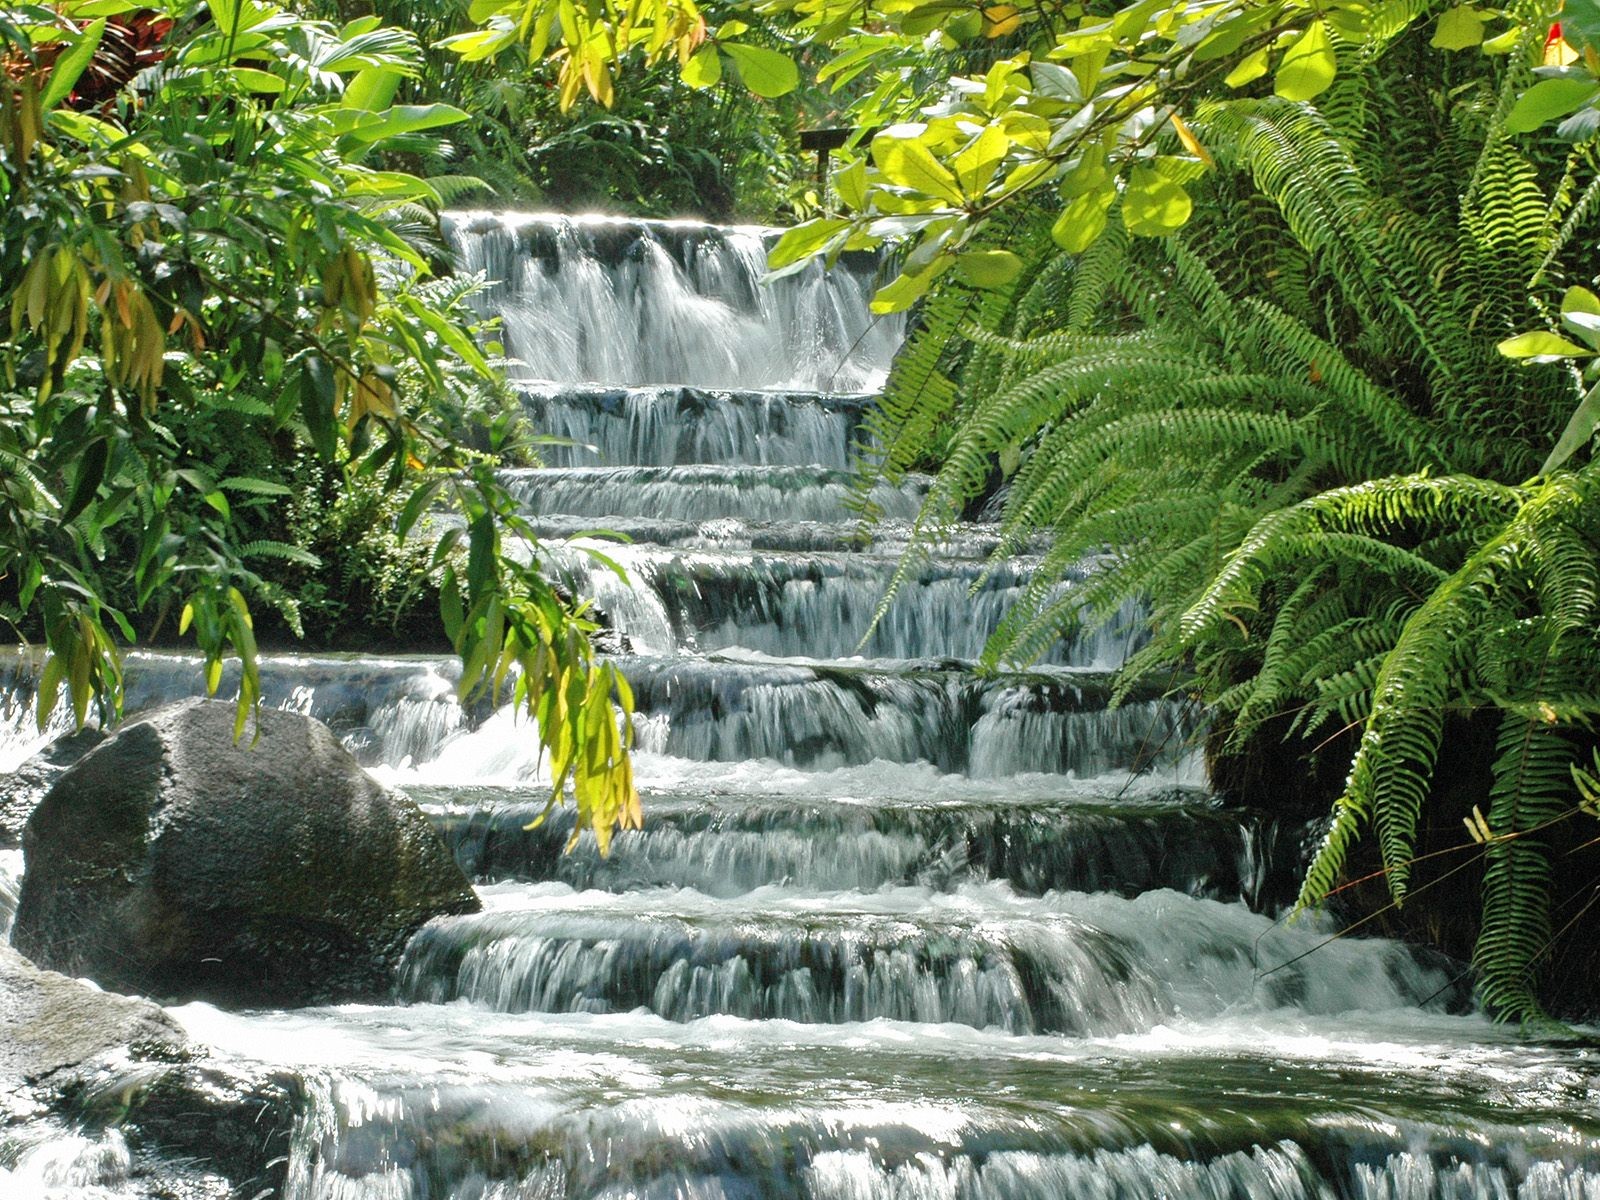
x=1288 y=305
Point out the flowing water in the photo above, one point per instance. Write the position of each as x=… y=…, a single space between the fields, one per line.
x=893 y=931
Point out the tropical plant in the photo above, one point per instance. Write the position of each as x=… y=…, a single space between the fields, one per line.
x=206 y=271
x=1292 y=426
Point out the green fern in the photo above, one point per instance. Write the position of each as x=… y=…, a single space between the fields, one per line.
x=1287 y=438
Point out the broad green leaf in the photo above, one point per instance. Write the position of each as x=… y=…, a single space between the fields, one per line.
x=1547 y=100
x=1580 y=23
x=704 y=68
x=902 y=292
x=480 y=44
x=1250 y=68
x=372 y=89
x=765 y=72
x=851 y=184
x=977 y=163
x=1083 y=220
x=406 y=118
x=1540 y=344
x=252 y=79
x=1154 y=205
x=1580 y=300
x=988 y=268
x=907 y=163
x=1460 y=28
x=70 y=66
x=392 y=185
x=1308 y=65
x=803 y=241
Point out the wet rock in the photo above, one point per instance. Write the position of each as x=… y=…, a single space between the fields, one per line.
x=172 y=861
x=22 y=789
x=101 y=1090
x=50 y=1024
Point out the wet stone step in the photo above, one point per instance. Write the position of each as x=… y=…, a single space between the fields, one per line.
x=1074 y=964
x=823 y=537
x=723 y=846
x=631 y=302
x=402 y=714
x=820 y=716
x=700 y=493
x=671 y=425
x=452 y=1101
x=821 y=605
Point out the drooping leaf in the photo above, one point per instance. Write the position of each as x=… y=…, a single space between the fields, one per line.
x=1308 y=66
x=1154 y=205
x=765 y=72
x=704 y=68
x=70 y=66
x=1460 y=28
x=1547 y=100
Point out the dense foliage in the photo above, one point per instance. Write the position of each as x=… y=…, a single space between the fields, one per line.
x=1297 y=426
x=215 y=290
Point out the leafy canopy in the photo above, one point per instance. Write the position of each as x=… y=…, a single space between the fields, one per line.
x=215 y=236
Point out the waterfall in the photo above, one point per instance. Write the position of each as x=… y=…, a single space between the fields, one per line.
x=895 y=928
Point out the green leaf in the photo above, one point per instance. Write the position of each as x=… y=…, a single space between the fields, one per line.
x=1547 y=100
x=1580 y=23
x=1580 y=300
x=1250 y=68
x=254 y=80
x=907 y=163
x=406 y=118
x=1460 y=28
x=1308 y=65
x=803 y=241
x=902 y=292
x=704 y=68
x=1581 y=427
x=988 y=268
x=765 y=72
x=1083 y=220
x=1154 y=205
x=71 y=65
x=372 y=89
x=977 y=163
x=1540 y=344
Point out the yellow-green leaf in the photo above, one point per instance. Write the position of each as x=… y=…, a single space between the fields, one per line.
x=977 y=163
x=1082 y=221
x=1540 y=344
x=803 y=241
x=765 y=72
x=704 y=68
x=1250 y=68
x=1547 y=100
x=907 y=163
x=1154 y=205
x=1308 y=65
x=988 y=268
x=1460 y=28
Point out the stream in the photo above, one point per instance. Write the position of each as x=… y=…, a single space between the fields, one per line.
x=892 y=930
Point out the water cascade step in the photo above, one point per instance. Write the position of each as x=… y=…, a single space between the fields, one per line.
x=895 y=929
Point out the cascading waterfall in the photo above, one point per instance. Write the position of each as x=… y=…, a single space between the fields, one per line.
x=894 y=929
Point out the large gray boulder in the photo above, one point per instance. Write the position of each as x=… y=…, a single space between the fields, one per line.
x=172 y=861
x=22 y=789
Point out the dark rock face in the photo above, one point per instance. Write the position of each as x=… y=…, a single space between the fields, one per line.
x=21 y=791
x=172 y=861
